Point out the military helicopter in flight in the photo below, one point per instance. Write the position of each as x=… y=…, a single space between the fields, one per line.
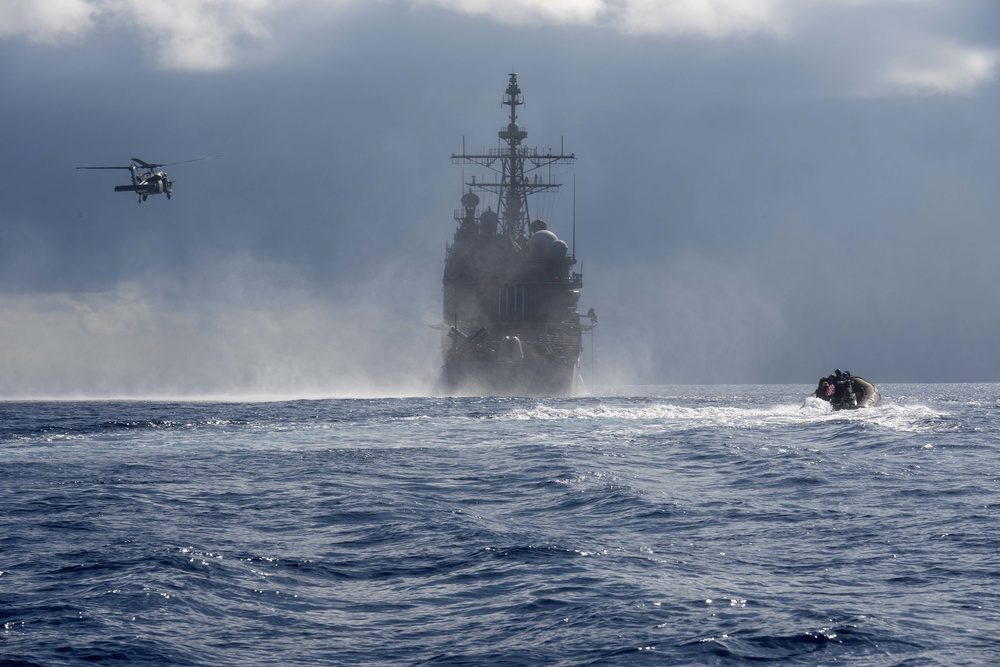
x=146 y=179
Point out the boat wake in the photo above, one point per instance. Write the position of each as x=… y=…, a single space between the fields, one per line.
x=905 y=418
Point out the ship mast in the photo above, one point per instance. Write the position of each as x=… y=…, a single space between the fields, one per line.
x=513 y=163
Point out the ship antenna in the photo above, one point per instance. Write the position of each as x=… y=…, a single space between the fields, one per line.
x=574 y=213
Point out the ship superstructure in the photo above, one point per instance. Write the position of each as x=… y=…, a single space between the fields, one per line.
x=511 y=325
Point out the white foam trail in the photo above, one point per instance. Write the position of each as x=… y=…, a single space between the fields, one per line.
x=893 y=417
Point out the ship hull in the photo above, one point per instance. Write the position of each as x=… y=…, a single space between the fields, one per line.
x=502 y=360
x=510 y=378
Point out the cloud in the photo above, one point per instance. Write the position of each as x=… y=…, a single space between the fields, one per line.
x=940 y=67
x=193 y=35
x=856 y=47
x=197 y=34
x=707 y=18
x=47 y=21
x=522 y=12
x=892 y=47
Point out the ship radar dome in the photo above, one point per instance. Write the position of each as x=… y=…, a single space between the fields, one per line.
x=537 y=226
x=558 y=249
x=489 y=221
x=470 y=200
x=541 y=240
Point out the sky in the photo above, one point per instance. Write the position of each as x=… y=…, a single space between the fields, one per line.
x=764 y=190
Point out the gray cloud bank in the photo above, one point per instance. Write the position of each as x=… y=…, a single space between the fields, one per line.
x=765 y=190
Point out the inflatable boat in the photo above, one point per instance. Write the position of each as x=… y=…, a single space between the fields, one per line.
x=847 y=392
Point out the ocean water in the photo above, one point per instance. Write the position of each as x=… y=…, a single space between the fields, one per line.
x=710 y=525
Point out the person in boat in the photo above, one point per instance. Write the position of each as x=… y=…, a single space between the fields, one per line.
x=825 y=389
x=842 y=381
x=832 y=387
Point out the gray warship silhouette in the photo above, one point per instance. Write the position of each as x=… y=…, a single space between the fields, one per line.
x=511 y=326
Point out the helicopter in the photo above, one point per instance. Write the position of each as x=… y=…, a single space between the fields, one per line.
x=146 y=180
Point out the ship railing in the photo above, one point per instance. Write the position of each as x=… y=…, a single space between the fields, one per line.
x=504 y=129
x=551 y=342
x=522 y=151
x=531 y=152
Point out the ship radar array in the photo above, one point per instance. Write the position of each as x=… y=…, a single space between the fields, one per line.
x=513 y=163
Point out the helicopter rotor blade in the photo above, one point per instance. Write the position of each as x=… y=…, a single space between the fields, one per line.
x=146 y=165
x=104 y=167
x=197 y=159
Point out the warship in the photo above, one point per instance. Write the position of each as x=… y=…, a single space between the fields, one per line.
x=511 y=326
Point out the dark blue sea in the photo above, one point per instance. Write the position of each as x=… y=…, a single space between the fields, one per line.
x=673 y=525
